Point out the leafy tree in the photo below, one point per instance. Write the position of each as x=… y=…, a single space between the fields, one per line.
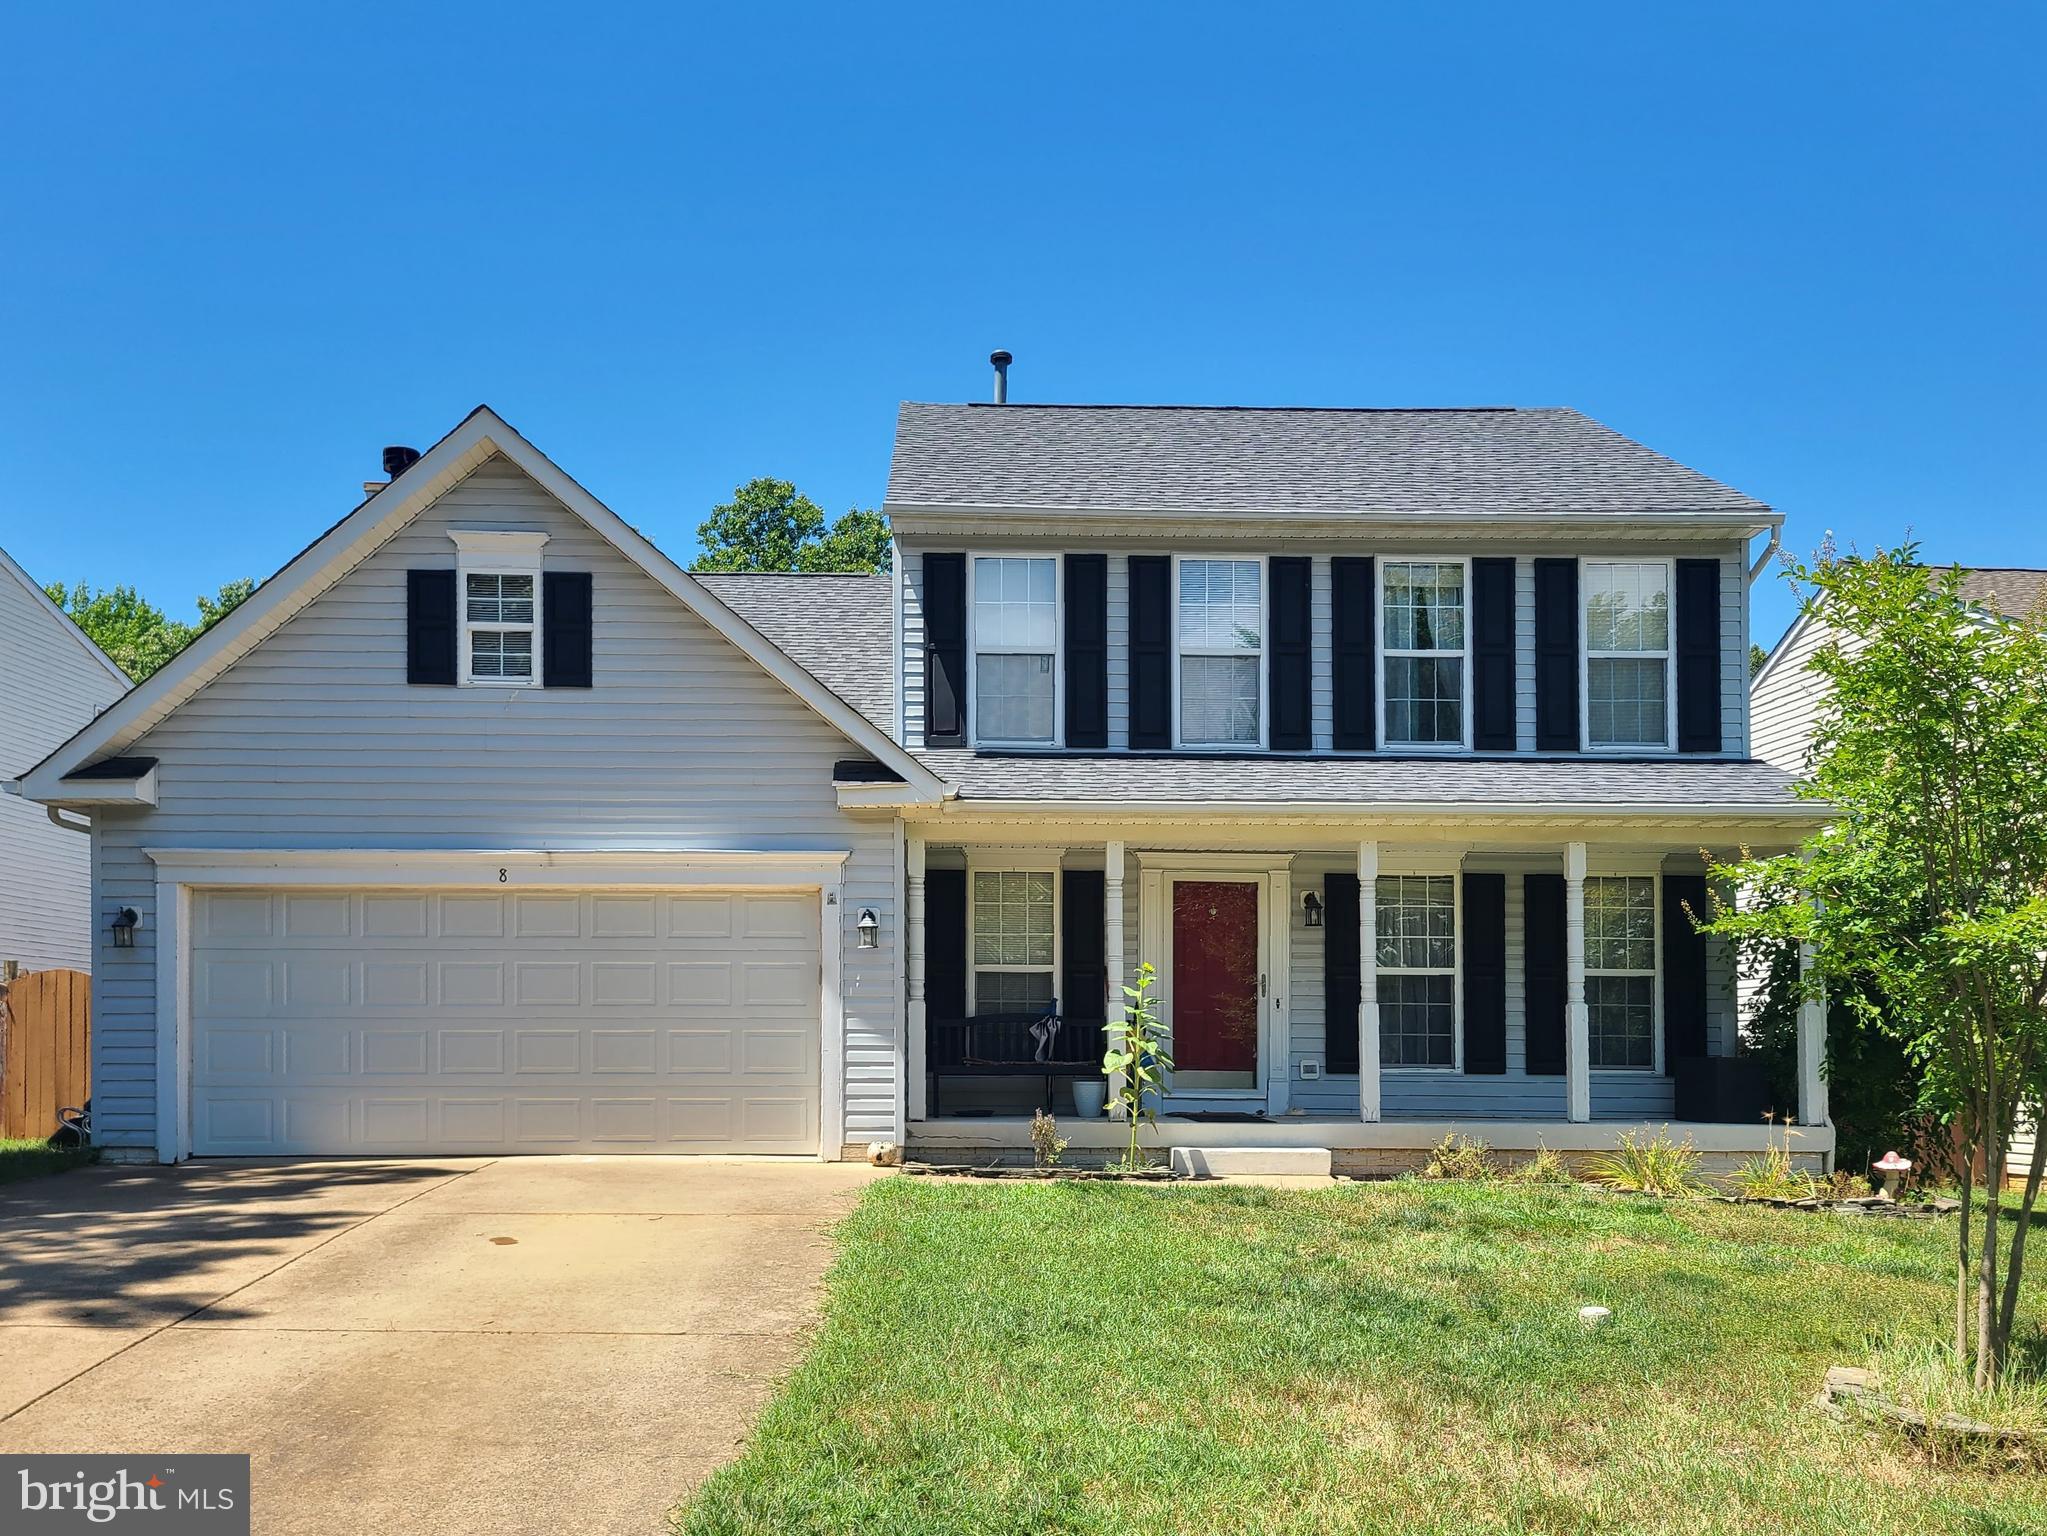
x=1926 y=900
x=134 y=631
x=769 y=525
x=1756 y=657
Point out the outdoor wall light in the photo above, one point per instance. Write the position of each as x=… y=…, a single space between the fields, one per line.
x=870 y=928
x=1311 y=904
x=124 y=928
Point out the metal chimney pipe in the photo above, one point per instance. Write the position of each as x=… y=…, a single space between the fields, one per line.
x=1001 y=360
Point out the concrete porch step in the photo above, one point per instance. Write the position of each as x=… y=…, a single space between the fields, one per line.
x=1223 y=1162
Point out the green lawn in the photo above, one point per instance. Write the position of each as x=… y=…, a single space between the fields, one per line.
x=1040 y=1358
x=33 y=1159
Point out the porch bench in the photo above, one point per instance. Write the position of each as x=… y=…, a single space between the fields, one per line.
x=1001 y=1045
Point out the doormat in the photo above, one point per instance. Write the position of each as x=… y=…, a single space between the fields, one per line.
x=1219 y=1117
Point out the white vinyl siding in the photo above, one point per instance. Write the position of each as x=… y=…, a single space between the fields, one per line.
x=51 y=685
x=315 y=741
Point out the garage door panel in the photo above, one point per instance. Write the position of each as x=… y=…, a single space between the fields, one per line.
x=504 y=1021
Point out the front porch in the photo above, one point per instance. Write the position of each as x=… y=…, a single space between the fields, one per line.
x=1368 y=996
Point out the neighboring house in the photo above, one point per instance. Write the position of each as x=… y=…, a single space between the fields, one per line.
x=1785 y=698
x=1390 y=737
x=53 y=680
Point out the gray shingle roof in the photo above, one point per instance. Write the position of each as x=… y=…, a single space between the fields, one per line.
x=2012 y=591
x=1206 y=459
x=837 y=628
x=1481 y=783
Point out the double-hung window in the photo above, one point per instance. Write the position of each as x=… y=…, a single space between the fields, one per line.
x=1016 y=650
x=1015 y=923
x=1417 y=961
x=1422 y=641
x=498 y=572
x=1620 y=970
x=1221 y=653
x=1628 y=697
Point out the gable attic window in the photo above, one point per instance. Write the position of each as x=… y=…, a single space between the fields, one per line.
x=499 y=577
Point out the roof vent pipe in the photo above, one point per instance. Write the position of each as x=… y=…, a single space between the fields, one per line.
x=399 y=459
x=1001 y=360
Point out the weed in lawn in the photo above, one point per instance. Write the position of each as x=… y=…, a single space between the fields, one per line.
x=1920 y=1375
x=1461 y=1157
x=1546 y=1167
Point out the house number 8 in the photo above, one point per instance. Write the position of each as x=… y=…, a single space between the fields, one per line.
x=503 y=876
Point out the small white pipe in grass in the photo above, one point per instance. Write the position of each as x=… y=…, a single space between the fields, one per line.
x=1594 y=1317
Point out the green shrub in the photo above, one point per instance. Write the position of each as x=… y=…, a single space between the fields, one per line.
x=1771 y=1175
x=1657 y=1166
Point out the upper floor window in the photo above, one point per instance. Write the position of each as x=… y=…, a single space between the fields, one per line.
x=1417 y=959
x=1016 y=650
x=1221 y=652
x=499 y=571
x=1422 y=641
x=1620 y=970
x=1628 y=697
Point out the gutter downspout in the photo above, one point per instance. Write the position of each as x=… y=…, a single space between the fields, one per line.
x=56 y=815
x=1776 y=543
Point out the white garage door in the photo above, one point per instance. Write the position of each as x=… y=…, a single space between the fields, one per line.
x=482 y=1021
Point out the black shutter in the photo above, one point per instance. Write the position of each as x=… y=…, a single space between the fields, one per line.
x=945 y=650
x=565 y=619
x=1291 y=664
x=1492 y=655
x=1556 y=655
x=1684 y=970
x=1353 y=601
x=1485 y=974
x=430 y=627
x=1542 y=935
x=1698 y=655
x=1087 y=651
x=1083 y=973
x=1151 y=651
x=1342 y=982
x=945 y=945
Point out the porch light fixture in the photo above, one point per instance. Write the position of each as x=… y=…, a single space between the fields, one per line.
x=124 y=928
x=1311 y=904
x=870 y=928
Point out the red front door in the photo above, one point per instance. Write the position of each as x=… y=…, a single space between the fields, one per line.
x=1215 y=979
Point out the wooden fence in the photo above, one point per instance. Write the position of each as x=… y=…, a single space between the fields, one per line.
x=45 y=1049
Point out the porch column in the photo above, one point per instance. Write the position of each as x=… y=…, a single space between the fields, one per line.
x=913 y=962
x=1577 y=1016
x=1112 y=953
x=1812 y=1048
x=1368 y=981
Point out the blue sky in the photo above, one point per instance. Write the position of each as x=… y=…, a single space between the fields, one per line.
x=1799 y=247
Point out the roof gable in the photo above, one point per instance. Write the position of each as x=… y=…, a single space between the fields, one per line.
x=481 y=436
x=62 y=619
x=1497 y=462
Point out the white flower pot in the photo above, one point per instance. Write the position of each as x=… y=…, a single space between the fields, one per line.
x=1090 y=1096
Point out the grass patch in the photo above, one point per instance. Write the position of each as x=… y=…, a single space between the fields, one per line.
x=1389 y=1357
x=32 y=1159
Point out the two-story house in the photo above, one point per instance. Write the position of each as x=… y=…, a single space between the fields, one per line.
x=1391 y=739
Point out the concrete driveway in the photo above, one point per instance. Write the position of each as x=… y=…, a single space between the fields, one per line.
x=529 y=1344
